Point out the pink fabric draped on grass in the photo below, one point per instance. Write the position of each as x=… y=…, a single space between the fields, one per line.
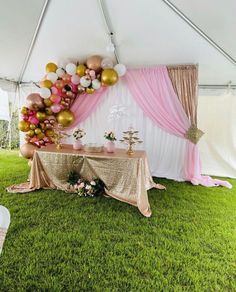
x=153 y=91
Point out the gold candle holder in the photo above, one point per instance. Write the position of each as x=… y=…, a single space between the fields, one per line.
x=130 y=138
x=58 y=135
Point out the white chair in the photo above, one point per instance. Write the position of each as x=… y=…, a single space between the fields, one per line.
x=5 y=220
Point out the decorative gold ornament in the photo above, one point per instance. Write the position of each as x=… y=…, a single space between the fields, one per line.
x=130 y=138
x=58 y=135
x=194 y=134
x=109 y=77
x=46 y=83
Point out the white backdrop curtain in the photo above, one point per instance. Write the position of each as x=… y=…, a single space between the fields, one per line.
x=117 y=112
x=217 y=118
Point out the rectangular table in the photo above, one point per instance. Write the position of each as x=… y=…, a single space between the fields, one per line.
x=127 y=178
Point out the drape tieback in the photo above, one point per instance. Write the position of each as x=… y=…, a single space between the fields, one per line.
x=194 y=134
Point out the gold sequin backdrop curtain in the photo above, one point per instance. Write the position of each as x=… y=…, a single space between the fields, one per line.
x=184 y=79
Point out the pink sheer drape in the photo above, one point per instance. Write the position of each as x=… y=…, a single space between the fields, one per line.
x=154 y=93
x=85 y=104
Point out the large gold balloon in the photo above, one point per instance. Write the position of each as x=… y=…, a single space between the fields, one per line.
x=94 y=63
x=46 y=83
x=80 y=70
x=24 y=126
x=41 y=116
x=109 y=77
x=27 y=150
x=51 y=67
x=65 y=118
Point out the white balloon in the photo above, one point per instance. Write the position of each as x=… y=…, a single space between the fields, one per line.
x=120 y=69
x=60 y=72
x=5 y=217
x=45 y=92
x=106 y=63
x=71 y=68
x=85 y=82
x=96 y=84
x=52 y=77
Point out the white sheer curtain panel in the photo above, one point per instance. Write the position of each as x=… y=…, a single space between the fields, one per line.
x=217 y=118
x=117 y=112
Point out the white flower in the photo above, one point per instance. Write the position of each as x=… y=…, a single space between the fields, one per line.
x=93 y=183
x=88 y=187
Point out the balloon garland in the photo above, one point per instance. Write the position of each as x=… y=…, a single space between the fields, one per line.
x=45 y=110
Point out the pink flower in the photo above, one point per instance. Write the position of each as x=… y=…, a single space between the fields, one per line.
x=81 y=185
x=93 y=183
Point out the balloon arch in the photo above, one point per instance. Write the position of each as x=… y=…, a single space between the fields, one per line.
x=50 y=108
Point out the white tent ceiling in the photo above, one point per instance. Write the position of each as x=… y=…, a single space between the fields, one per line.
x=147 y=32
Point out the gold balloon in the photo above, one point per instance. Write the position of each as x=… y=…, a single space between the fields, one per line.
x=109 y=77
x=51 y=67
x=48 y=111
x=47 y=101
x=90 y=90
x=37 y=131
x=31 y=133
x=27 y=150
x=65 y=118
x=40 y=136
x=41 y=116
x=24 y=110
x=46 y=83
x=94 y=63
x=80 y=70
x=24 y=126
x=32 y=126
x=49 y=133
x=81 y=89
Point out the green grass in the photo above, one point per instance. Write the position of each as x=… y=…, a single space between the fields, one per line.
x=61 y=242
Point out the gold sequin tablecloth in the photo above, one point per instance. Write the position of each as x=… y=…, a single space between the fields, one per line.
x=127 y=178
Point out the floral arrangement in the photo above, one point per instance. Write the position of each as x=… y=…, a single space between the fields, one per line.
x=110 y=136
x=78 y=134
x=83 y=187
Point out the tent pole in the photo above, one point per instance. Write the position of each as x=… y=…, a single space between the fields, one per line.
x=110 y=31
x=199 y=31
x=32 y=43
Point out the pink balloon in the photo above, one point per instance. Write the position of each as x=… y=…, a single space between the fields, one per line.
x=54 y=90
x=55 y=108
x=75 y=79
x=33 y=120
